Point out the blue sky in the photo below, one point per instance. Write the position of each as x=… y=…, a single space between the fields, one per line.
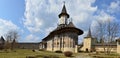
x=35 y=19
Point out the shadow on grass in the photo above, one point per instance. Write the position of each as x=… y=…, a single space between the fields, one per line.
x=43 y=56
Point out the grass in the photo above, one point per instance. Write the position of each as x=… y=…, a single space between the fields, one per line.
x=102 y=55
x=17 y=54
x=22 y=53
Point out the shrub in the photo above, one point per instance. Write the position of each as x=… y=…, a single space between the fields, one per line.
x=30 y=57
x=58 y=51
x=68 y=53
x=33 y=50
x=80 y=51
x=1 y=48
x=41 y=49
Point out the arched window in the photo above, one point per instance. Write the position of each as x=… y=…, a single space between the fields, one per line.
x=57 y=44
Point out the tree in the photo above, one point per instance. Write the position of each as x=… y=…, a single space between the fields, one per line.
x=11 y=38
x=106 y=32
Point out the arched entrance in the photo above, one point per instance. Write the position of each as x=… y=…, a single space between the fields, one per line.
x=86 y=49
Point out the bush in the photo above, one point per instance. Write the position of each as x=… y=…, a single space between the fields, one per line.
x=68 y=53
x=1 y=48
x=30 y=57
x=80 y=51
x=33 y=50
x=41 y=49
x=58 y=51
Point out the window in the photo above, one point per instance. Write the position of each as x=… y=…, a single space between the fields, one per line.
x=57 y=43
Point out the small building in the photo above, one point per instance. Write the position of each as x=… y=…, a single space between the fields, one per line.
x=88 y=42
x=64 y=37
x=118 y=46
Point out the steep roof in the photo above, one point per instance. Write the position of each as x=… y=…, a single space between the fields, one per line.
x=71 y=24
x=64 y=12
x=89 y=33
x=118 y=39
x=64 y=9
x=2 y=39
x=60 y=30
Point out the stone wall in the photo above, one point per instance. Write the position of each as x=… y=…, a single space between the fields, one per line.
x=63 y=42
x=101 y=48
x=118 y=47
x=28 y=45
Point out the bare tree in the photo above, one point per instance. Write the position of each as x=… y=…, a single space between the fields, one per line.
x=11 y=38
x=106 y=32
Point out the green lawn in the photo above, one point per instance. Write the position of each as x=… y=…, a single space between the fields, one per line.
x=22 y=53
x=103 y=55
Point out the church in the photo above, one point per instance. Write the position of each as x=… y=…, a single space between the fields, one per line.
x=64 y=37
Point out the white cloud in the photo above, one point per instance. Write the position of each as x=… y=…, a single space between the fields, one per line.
x=82 y=10
x=41 y=16
x=5 y=26
x=47 y=12
x=114 y=7
x=31 y=38
x=104 y=16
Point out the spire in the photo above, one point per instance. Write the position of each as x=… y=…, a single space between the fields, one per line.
x=71 y=24
x=64 y=11
x=89 y=33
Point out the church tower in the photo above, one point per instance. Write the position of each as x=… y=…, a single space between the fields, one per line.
x=63 y=16
x=88 y=42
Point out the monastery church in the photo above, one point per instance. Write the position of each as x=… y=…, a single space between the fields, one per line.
x=64 y=37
